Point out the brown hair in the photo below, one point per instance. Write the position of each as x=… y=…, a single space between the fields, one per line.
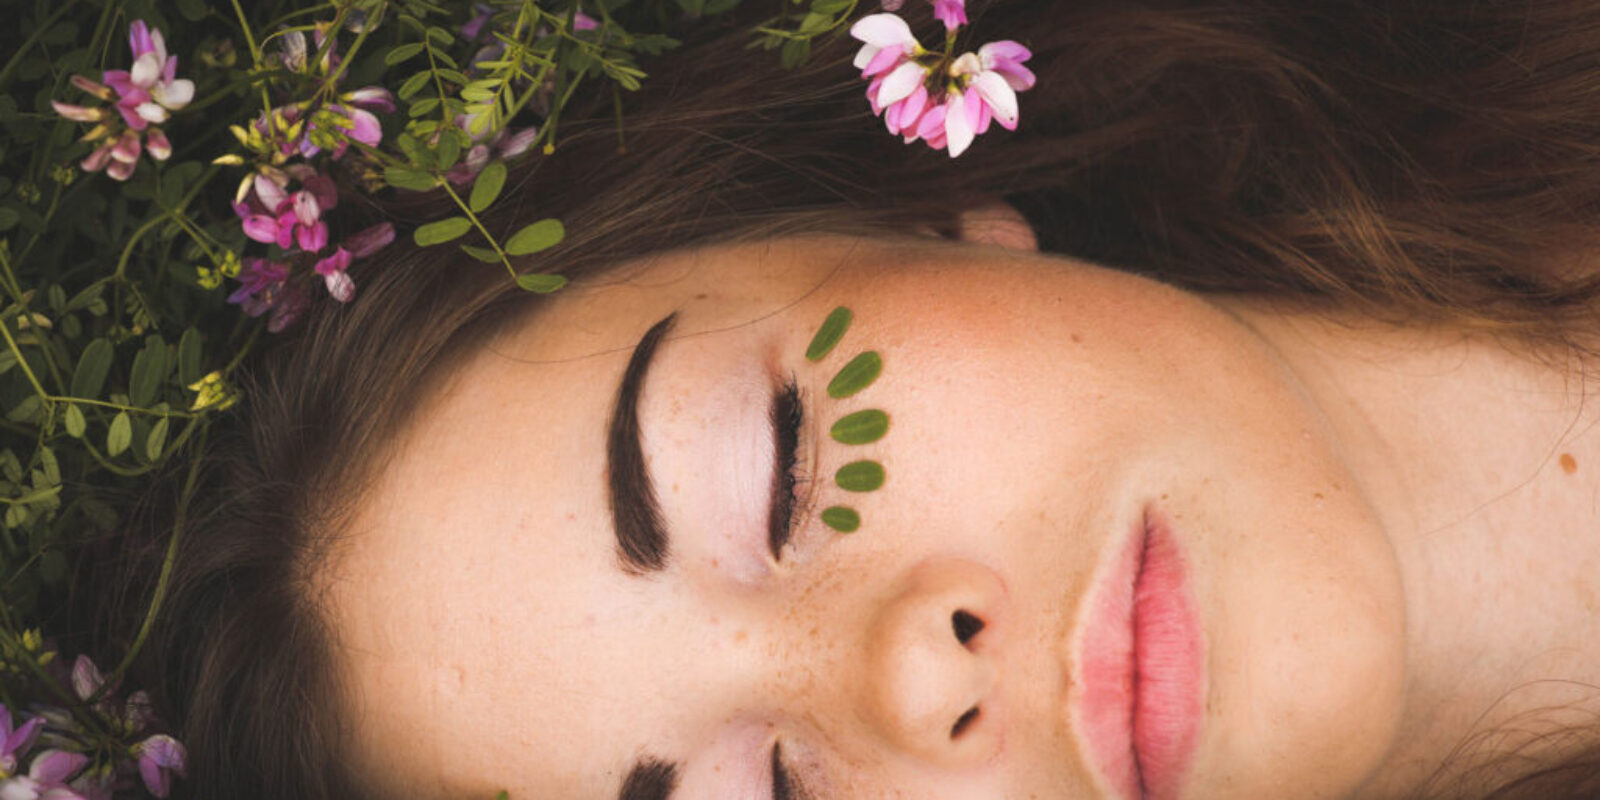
x=1431 y=161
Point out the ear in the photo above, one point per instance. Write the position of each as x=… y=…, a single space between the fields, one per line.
x=997 y=223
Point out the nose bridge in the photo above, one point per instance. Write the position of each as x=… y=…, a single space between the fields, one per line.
x=931 y=663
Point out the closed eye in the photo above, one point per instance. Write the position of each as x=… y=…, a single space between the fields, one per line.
x=787 y=415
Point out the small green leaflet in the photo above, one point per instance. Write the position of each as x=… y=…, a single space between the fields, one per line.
x=120 y=435
x=444 y=230
x=859 y=476
x=157 y=439
x=75 y=422
x=538 y=236
x=89 y=377
x=414 y=179
x=862 y=427
x=542 y=284
x=487 y=187
x=856 y=375
x=841 y=519
x=829 y=334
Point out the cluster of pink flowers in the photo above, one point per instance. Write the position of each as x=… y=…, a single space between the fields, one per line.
x=945 y=102
x=283 y=200
x=57 y=772
x=142 y=99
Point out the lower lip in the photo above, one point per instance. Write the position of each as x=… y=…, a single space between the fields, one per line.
x=1141 y=662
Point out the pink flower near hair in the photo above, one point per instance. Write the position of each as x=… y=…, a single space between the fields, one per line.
x=159 y=757
x=16 y=742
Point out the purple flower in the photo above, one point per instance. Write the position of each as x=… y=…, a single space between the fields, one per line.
x=15 y=742
x=159 y=756
x=473 y=28
x=277 y=216
x=953 y=13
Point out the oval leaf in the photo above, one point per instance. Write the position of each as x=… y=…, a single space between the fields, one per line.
x=149 y=370
x=862 y=427
x=829 y=334
x=442 y=231
x=487 y=187
x=841 y=519
x=75 y=422
x=538 y=236
x=859 y=476
x=856 y=375
x=120 y=435
x=414 y=179
x=157 y=439
x=402 y=53
x=542 y=284
x=89 y=377
x=483 y=254
x=191 y=358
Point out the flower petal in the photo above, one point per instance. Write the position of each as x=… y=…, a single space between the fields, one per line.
x=883 y=60
x=883 y=30
x=174 y=95
x=261 y=228
x=146 y=71
x=98 y=90
x=370 y=240
x=311 y=238
x=958 y=128
x=121 y=170
x=999 y=95
x=156 y=141
x=270 y=193
x=139 y=38
x=151 y=112
x=86 y=677
x=78 y=113
x=338 y=261
x=517 y=143
x=56 y=766
x=953 y=13
x=340 y=286
x=366 y=130
x=372 y=98
x=306 y=208
x=901 y=83
x=864 y=55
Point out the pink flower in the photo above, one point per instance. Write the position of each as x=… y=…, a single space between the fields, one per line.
x=15 y=742
x=276 y=215
x=504 y=144
x=47 y=778
x=148 y=91
x=143 y=97
x=953 y=13
x=359 y=245
x=159 y=756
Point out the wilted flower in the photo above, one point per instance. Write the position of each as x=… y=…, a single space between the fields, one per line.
x=264 y=286
x=143 y=96
x=359 y=245
x=505 y=143
x=159 y=756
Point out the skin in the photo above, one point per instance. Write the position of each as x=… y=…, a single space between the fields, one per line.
x=1380 y=541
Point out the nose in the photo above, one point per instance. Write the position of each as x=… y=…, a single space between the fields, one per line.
x=933 y=664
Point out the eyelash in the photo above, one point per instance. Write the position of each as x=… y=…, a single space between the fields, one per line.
x=783 y=784
x=788 y=415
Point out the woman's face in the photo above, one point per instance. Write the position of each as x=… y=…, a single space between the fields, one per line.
x=1044 y=417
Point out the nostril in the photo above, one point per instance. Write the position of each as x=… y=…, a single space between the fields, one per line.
x=966 y=626
x=966 y=719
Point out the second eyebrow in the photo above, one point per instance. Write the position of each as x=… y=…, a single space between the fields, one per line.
x=642 y=544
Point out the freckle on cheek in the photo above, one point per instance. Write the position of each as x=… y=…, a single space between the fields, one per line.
x=1569 y=464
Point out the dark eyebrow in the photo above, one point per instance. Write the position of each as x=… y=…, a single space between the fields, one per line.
x=635 y=514
x=650 y=779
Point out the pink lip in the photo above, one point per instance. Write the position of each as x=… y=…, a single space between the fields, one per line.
x=1141 y=667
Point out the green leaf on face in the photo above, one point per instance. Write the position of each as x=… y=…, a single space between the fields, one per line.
x=841 y=519
x=541 y=284
x=487 y=187
x=859 y=476
x=75 y=422
x=444 y=230
x=89 y=377
x=856 y=375
x=829 y=334
x=414 y=179
x=157 y=439
x=120 y=435
x=538 y=236
x=862 y=427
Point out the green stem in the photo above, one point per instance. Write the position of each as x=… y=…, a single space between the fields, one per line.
x=164 y=580
x=23 y=362
x=466 y=209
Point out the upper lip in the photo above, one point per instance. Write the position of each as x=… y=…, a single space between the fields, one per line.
x=1104 y=670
